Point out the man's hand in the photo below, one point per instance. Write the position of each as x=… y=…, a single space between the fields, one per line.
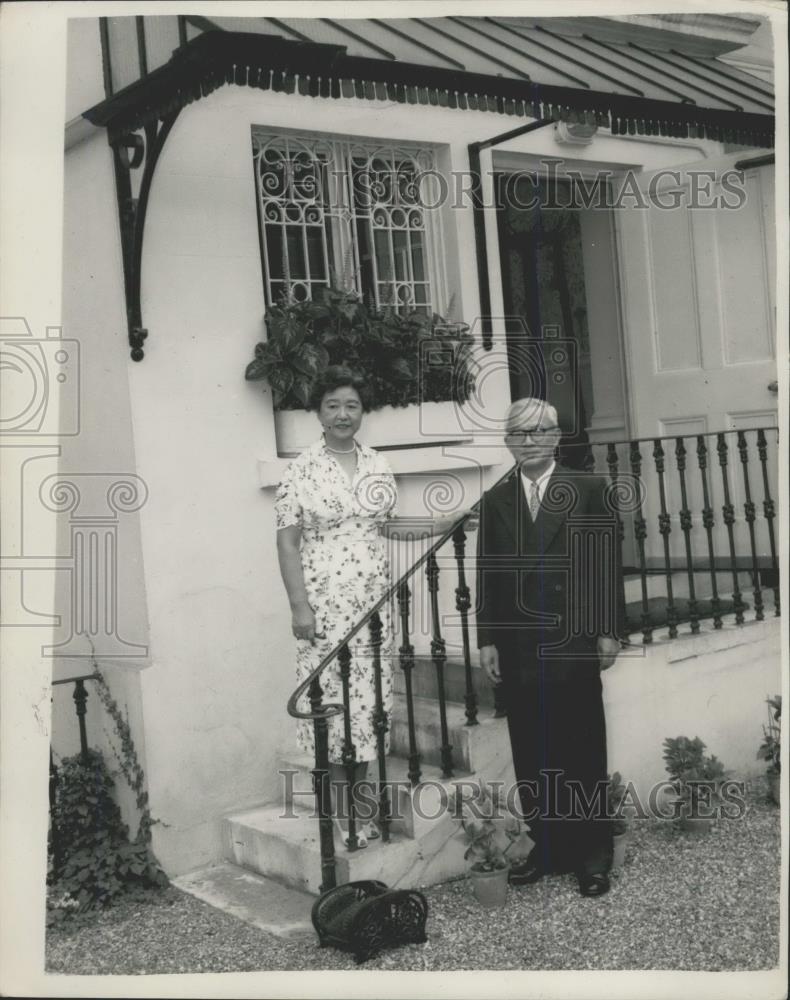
x=608 y=649
x=489 y=661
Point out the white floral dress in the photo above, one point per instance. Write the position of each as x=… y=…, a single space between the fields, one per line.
x=346 y=571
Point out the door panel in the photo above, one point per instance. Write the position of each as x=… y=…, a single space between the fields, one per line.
x=698 y=302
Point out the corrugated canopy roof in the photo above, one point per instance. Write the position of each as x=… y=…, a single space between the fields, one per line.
x=586 y=53
x=572 y=69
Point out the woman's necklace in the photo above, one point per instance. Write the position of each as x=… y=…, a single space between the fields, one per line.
x=338 y=451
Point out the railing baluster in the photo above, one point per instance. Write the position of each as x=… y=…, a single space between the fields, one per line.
x=463 y=602
x=321 y=788
x=749 y=514
x=80 y=702
x=613 y=464
x=439 y=657
x=769 y=513
x=707 y=523
x=664 y=527
x=380 y=725
x=685 y=526
x=640 y=532
x=728 y=511
x=349 y=754
x=406 y=653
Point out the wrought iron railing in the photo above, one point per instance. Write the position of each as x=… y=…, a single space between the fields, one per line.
x=662 y=510
x=80 y=696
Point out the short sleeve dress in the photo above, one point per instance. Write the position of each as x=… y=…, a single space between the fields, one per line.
x=346 y=571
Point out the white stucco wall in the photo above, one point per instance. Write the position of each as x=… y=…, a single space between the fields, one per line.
x=712 y=685
x=99 y=455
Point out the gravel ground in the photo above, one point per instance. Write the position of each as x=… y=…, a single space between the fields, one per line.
x=682 y=901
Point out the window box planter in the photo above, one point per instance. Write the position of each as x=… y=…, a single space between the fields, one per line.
x=426 y=423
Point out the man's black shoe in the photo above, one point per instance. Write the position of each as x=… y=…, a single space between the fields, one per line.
x=593 y=885
x=526 y=872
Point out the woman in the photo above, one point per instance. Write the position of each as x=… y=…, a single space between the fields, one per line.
x=334 y=508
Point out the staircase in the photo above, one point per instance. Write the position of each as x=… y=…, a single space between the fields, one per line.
x=281 y=840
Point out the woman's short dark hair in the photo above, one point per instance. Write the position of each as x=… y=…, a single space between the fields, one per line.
x=338 y=377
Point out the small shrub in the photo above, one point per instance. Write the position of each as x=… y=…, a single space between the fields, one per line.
x=695 y=775
x=771 y=747
x=97 y=860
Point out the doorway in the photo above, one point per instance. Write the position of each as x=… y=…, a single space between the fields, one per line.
x=547 y=241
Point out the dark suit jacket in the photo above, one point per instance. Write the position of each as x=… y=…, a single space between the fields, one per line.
x=546 y=591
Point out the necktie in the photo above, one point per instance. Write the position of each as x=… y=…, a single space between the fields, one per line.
x=534 y=500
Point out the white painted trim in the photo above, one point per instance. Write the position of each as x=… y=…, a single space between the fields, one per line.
x=78 y=130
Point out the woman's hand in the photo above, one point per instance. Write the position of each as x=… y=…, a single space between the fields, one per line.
x=303 y=622
x=472 y=522
x=608 y=648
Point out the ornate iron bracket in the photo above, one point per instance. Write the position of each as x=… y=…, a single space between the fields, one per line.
x=131 y=150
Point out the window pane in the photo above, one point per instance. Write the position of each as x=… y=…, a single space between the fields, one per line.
x=417 y=260
x=292 y=187
x=350 y=213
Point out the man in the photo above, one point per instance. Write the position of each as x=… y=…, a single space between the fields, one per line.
x=547 y=624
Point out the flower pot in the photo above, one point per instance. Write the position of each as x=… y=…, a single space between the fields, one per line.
x=695 y=824
x=428 y=423
x=774 y=785
x=490 y=888
x=619 y=844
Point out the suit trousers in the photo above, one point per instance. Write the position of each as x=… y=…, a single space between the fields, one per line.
x=558 y=737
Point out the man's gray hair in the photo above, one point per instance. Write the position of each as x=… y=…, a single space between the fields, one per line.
x=521 y=408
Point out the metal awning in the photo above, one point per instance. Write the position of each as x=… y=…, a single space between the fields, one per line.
x=540 y=69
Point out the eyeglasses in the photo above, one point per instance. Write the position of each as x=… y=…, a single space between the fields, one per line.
x=536 y=434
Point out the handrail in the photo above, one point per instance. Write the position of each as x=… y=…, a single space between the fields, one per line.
x=336 y=708
x=73 y=680
x=292 y=710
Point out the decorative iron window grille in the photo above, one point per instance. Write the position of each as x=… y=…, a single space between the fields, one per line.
x=349 y=214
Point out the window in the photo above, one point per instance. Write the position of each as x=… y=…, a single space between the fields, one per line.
x=348 y=214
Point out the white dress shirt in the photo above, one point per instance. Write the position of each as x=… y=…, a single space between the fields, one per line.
x=542 y=483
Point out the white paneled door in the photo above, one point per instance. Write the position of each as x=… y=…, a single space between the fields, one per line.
x=697 y=263
x=698 y=287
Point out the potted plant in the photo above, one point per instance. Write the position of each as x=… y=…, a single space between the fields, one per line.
x=407 y=359
x=491 y=831
x=770 y=748
x=615 y=795
x=696 y=779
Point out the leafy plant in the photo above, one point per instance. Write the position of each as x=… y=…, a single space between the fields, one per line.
x=695 y=776
x=615 y=795
x=770 y=748
x=128 y=761
x=490 y=828
x=98 y=861
x=405 y=359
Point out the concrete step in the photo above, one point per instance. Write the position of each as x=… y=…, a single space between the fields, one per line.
x=272 y=906
x=473 y=747
x=264 y=841
x=413 y=808
x=424 y=683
